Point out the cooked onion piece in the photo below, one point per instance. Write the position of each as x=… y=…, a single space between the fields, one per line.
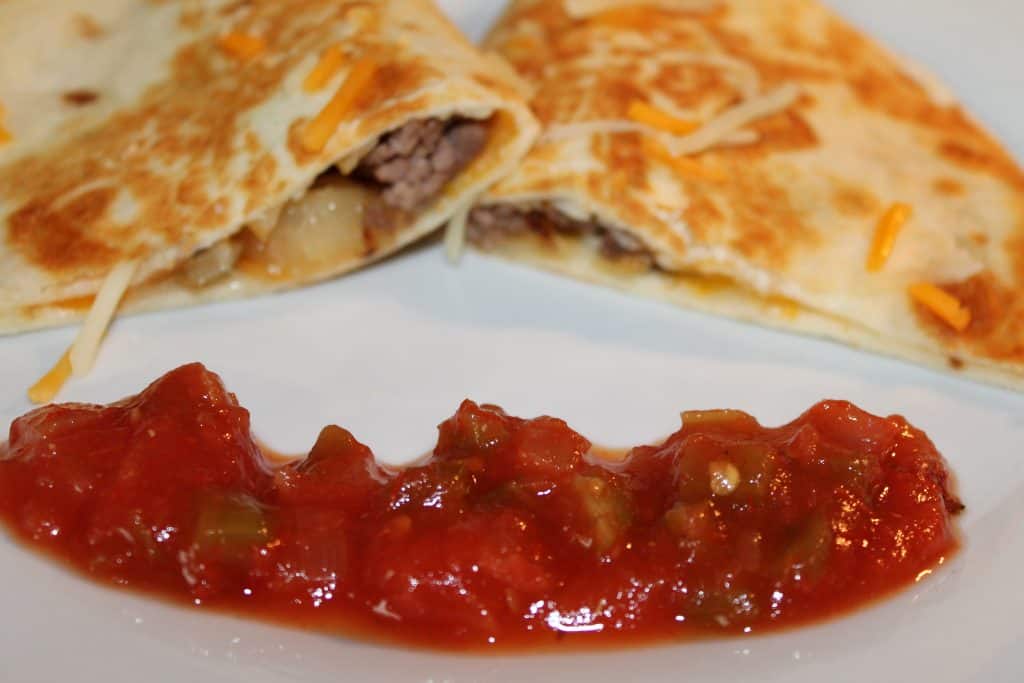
x=314 y=232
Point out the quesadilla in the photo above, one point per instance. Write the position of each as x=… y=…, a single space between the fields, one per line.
x=199 y=150
x=765 y=161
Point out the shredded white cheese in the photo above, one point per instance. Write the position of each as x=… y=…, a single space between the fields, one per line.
x=723 y=130
x=719 y=128
x=568 y=131
x=87 y=343
x=455 y=234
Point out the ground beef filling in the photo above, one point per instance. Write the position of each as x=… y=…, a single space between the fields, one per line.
x=490 y=225
x=406 y=170
x=413 y=164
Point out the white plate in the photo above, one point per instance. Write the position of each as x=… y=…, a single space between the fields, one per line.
x=391 y=351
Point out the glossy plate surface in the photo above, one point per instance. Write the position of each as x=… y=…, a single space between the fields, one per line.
x=390 y=352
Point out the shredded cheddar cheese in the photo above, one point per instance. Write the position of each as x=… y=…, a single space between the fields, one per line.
x=685 y=167
x=243 y=46
x=52 y=382
x=323 y=126
x=943 y=304
x=325 y=69
x=86 y=345
x=889 y=227
x=641 y=112
x=79 y=359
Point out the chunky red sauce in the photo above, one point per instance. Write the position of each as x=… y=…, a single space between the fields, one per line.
x=511 y=534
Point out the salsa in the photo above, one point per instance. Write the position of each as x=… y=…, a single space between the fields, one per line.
x=513 y=534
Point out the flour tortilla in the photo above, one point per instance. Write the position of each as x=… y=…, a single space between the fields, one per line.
x=136 y=135
x=776 y=224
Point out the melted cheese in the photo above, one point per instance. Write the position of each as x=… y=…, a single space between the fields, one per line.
x=888 y=229
x=455 y=234
x=52 y=382
x=944 y=305
x=323 y=126
x=325 y=69
x=241 y=46
x=85 y=347
x=643 y=113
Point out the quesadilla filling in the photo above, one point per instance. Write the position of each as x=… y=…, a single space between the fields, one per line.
x=489 y=226
x=351 y=211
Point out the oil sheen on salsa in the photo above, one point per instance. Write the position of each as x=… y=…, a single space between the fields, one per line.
x=512 y=534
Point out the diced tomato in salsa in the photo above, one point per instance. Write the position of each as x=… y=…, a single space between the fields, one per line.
x=513 y=534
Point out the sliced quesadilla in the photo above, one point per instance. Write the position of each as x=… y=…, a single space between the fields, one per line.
x=180 y=152
x=766 y=161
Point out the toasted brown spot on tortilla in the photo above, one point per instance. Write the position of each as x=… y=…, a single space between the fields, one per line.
x=87 y=27
x=956 y=363
x=702 y=215
x=54 y=236
x=689 y=85
x=392 y=79
x=259 y=180
x=192 y=192
x=192 y=121
x=80 y=98
x=949 y=187
x=984 y=156
x=855 y=201
x=786 y=131
x=192 y=18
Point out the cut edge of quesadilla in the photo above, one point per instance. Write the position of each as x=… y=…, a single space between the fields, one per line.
x=343 y=221
x=777 y=149
x=557 y=235
x=383 y=125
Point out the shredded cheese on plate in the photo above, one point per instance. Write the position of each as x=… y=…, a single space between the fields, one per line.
x=52 y=382
x=455 y=234
x=888 y=230
x=86 y=345
x=323 y=126
x=79 y=359
x=943 y=304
